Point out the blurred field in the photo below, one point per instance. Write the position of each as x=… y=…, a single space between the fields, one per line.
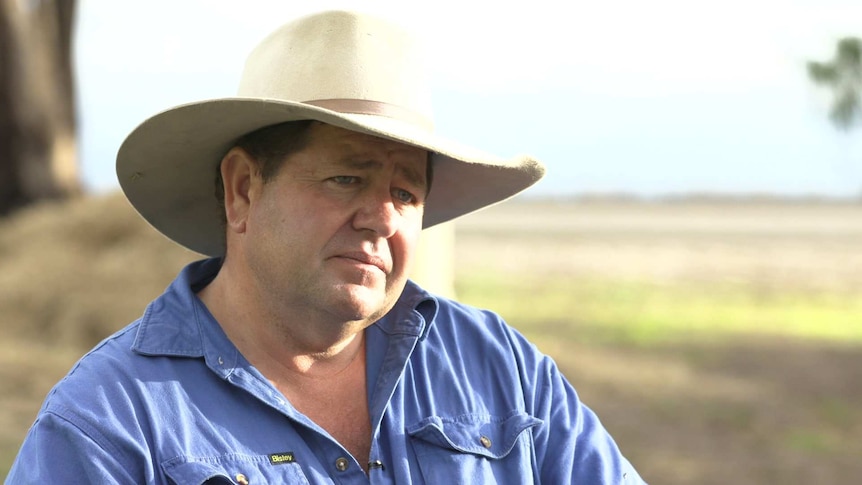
x=720 y=342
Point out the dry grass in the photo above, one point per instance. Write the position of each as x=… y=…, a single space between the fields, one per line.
x=72 y=272
x=706 y=407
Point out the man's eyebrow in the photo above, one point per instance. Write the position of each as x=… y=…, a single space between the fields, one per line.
x=413 y=176
x=360 y=163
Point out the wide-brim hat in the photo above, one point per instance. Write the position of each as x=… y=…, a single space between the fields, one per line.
x=346 y=69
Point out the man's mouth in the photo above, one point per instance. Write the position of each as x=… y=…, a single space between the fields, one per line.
x=366 y=258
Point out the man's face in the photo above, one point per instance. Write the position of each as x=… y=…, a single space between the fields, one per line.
x=334 y=232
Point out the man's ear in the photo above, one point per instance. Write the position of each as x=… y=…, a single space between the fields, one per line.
x=240 y=175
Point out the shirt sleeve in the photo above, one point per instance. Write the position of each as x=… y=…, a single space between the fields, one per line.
x=571 y=446
x=57 y=450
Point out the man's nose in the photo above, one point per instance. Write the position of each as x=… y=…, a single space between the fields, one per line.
x=378 y=213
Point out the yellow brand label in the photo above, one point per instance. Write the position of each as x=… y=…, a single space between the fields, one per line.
x=281 y=458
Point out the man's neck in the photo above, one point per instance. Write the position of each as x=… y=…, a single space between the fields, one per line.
x=283 y=344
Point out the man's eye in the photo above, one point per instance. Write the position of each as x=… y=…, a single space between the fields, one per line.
x=404 y=196
x=345 y=179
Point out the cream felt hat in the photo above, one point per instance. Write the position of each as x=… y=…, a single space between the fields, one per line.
x=342 y=68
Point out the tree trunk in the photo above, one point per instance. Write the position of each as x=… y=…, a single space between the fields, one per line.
x=38 y=157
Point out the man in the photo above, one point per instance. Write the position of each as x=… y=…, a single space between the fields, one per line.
x=301 y=353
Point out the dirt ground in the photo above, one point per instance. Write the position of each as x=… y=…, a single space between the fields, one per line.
x=816 y=246
x=729 y=411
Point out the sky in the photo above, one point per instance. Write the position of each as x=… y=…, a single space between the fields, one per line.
x=665 y=97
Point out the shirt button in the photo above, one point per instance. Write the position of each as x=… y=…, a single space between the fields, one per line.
x=241 y=479
x=486 y=442
x=341 y=464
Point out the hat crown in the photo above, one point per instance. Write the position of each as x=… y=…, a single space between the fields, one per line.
x=341 y=55
x=348 y=70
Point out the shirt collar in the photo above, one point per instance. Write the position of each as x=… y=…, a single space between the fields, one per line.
x=413 y=313
x=178 y=324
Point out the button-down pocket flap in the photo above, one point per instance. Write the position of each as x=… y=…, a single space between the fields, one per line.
x=488 y=436
x=183 y=473
x=232 y=469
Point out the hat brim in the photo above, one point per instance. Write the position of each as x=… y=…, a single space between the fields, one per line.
x=167 y=165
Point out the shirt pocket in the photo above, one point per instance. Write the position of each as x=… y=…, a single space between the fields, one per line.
x=231 y=469
x=473 y=449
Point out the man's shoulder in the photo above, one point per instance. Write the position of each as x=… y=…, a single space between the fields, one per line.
x=451 y=312
x=467 y=325
x=106 y=362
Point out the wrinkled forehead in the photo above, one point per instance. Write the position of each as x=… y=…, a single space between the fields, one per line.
x=361 y=151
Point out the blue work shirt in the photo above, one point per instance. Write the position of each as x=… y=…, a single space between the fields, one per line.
x=455 y=396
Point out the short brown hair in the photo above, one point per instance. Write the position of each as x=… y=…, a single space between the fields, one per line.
x=269 y=146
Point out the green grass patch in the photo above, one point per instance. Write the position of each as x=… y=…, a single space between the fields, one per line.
x=639 y=312
x=812 y=441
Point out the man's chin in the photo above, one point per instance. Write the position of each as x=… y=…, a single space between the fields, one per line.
x=357 y=302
